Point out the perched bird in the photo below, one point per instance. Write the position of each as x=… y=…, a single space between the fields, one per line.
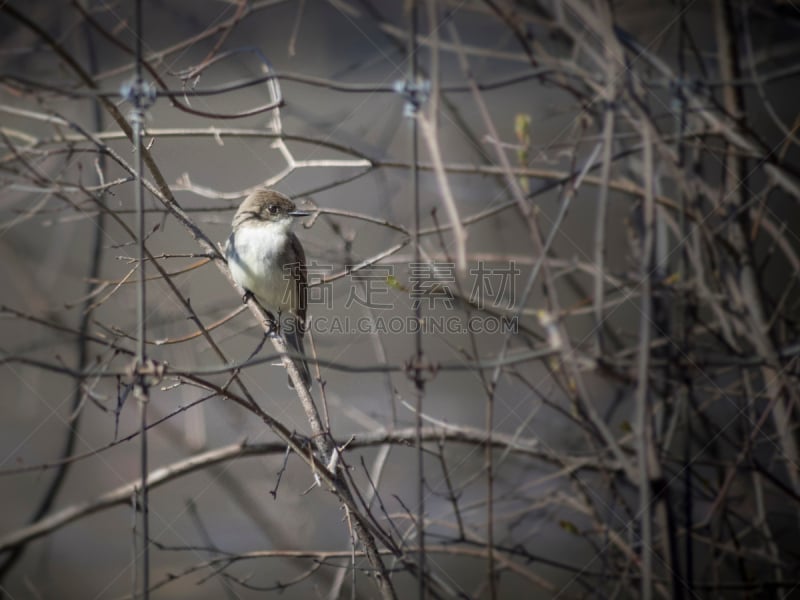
x=267 y=260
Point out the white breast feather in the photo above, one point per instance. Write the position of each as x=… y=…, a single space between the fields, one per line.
x=257 y=264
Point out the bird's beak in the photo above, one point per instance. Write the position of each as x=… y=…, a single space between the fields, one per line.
x=298 y=213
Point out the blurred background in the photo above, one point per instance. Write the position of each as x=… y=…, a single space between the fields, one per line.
x=605 y=264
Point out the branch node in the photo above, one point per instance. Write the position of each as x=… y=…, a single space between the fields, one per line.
x=141 y=94
x=415 y=93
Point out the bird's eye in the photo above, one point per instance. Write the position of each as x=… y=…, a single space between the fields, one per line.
x=273 y=209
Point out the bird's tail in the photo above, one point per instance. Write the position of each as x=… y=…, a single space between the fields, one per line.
x=294 y=330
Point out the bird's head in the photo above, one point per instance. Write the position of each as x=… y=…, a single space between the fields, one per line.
x=266 y=207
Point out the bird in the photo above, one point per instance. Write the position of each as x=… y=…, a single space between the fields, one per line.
x=268 y=262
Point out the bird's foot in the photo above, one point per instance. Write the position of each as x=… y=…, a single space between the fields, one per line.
x=274 y=326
